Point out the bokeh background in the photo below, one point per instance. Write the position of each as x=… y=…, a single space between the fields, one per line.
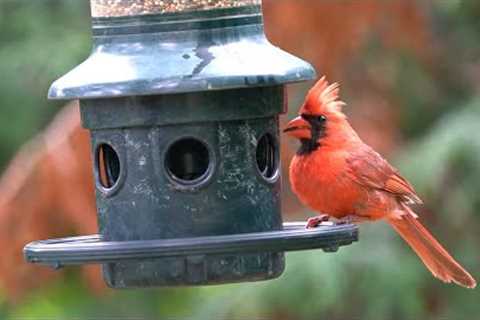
x=410 y=73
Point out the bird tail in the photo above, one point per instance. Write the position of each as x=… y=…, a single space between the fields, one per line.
x=440 y=263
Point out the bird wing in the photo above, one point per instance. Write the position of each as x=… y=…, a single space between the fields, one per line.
x=369 y=169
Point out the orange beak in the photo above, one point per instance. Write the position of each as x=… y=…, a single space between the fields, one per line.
x=298 y=128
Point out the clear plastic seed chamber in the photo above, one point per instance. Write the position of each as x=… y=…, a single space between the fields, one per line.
x=182 y=99
x=122 y=8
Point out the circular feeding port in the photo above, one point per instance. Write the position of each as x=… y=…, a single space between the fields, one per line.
x=188 y=161
x=108 y=166
x=267 y=157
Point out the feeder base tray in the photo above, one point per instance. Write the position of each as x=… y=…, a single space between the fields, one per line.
x=190 y=261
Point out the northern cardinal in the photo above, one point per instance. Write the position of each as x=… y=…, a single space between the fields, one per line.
x=336 y=174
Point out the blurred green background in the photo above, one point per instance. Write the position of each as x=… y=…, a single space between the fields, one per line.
x=412 y=85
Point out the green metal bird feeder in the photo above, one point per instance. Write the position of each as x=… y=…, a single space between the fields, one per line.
x=182 y=100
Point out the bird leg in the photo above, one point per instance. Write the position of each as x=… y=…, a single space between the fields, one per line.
x=313 y=222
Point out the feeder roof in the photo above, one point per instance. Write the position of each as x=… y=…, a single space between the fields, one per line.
x=178 y=53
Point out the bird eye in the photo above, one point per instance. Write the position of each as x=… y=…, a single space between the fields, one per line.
x=313 y=118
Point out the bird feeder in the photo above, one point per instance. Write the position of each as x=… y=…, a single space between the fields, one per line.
x=182 y=100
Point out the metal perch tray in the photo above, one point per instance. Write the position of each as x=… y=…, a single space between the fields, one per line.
x=92 y=249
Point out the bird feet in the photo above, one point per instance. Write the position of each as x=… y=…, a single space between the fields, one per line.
x=313 y=222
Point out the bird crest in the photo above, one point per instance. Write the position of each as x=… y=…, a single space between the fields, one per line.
x=323 y=98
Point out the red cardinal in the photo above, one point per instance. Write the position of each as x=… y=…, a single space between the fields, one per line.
x=335 y=173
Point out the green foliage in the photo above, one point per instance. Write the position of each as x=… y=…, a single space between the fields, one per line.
x=39 y=41
x=73 y=300
x=452 y=147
